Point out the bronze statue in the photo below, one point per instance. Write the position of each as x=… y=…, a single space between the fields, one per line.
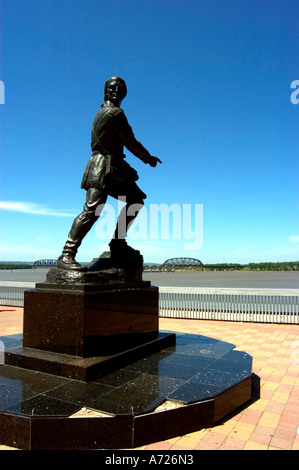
x=108 y=174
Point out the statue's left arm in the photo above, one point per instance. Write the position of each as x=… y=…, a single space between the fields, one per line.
x=131 y=143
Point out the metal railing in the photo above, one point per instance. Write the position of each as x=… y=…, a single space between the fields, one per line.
x=12 y=293
x=251 y=305
x=244 y=305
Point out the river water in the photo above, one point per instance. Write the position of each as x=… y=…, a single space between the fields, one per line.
x=219 y=279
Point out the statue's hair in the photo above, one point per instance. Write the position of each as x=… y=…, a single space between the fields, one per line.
x=113 y=79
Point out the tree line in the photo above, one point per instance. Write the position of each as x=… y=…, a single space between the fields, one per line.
x=15 y=265
x=264 y=266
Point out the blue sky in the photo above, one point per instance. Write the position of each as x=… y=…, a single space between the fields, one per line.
x=209 y=93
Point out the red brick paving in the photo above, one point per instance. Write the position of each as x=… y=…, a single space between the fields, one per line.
x=269 y=423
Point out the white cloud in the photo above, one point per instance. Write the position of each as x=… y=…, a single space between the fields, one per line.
x=294 y=239
x=32 y=208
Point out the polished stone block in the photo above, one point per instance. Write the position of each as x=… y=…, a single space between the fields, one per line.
x=83 y=331
x=84 y=368
x=169 y=392
x=154 y=427
x=90 y=323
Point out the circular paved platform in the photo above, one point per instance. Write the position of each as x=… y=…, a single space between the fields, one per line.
x=177 y=390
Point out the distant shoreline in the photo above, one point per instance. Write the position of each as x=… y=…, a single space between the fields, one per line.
x=288 y=266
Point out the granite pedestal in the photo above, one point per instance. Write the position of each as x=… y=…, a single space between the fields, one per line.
x=172 y=392
x=93 y=371
x=92 y=323
x=83 y=330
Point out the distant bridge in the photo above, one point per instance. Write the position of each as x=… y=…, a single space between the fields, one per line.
x=44 y=263
x=182 y=262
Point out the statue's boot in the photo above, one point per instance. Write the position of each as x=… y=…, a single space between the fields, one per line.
x=67 y=262
x=81 y=226
x=119 y=249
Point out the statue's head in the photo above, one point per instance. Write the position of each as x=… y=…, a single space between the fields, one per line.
x=115 y=90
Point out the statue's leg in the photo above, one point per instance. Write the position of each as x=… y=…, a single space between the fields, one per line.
x=126 y=217
x=95 y=200
x=134 y=198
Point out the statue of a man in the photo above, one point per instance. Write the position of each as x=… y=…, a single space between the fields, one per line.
x=108 y=174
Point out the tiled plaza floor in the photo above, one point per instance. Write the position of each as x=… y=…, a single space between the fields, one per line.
x=270 y=422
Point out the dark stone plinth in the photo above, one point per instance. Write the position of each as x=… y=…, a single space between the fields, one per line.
x=82 y=332
x=90 y=323
x=182 y=388
x=93 y=371
x=86 y=368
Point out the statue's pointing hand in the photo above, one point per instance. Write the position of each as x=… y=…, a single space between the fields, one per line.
x=154 y=160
